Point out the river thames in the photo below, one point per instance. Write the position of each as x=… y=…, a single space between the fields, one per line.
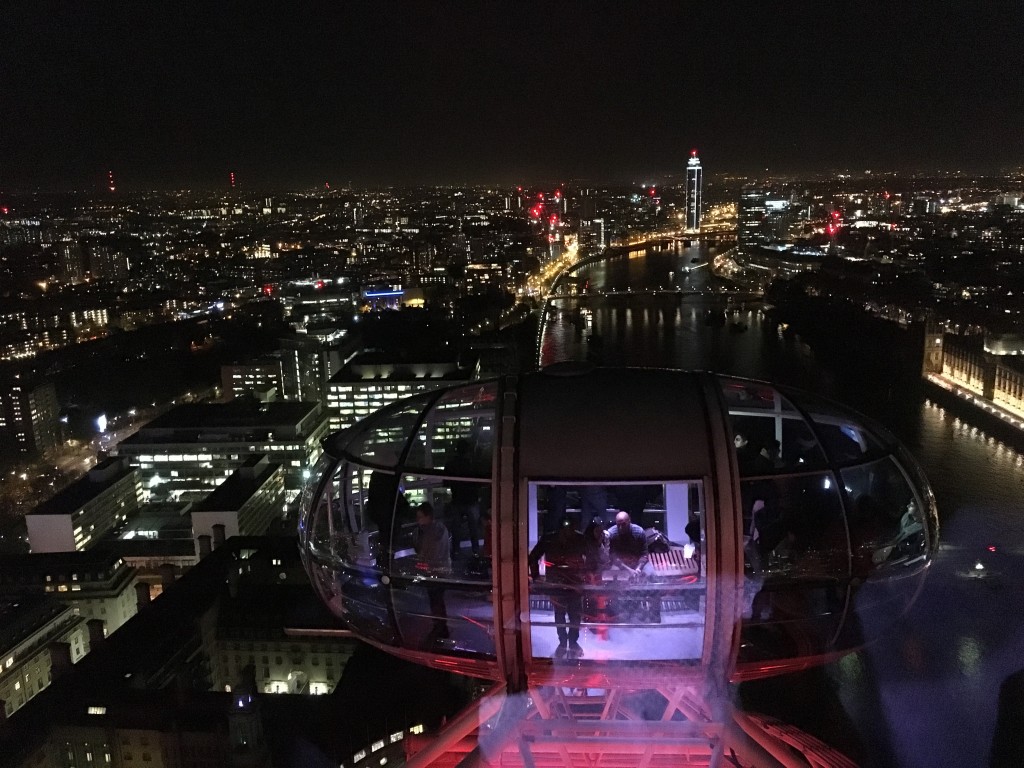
x=927 y=693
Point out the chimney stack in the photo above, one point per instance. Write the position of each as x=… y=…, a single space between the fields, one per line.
x=141 y=595
x=96 y=633
x=166 y=575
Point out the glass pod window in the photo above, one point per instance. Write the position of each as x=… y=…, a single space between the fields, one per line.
x=616 y=571
x=344 y=547
x=796 y=566
x=769 y=435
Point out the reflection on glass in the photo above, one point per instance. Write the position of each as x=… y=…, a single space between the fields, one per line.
x=796 y=566
x=457 y=434
x=390 y=574
x=466 y=538
x=440 y=604
x=382 y=439
x=795 y=527
x=845 y=437
x=753 y=395
x=609 y=584
x=769 y=434
x=886 y=520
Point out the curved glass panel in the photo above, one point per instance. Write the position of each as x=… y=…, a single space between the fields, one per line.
x=440 y=568
x=440 y=605
x=795 y=527
x=393 y=575
x=343 y=553
x=893 y=531
x=462 y=506
x=769 y=434
x=845 y=436
x=380 y=439
x=324 y=466
x=929 y=511
x=752 y=395
x=457 y=435
x=783 y=622
x=796 y=566
x=887 y=523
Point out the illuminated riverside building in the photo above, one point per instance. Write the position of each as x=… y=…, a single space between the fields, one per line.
x=990 y=373
x=190 y=450
x=751 y=215
x=784 y=260
x=82 y=513
x=796 y=531
x=694 y=185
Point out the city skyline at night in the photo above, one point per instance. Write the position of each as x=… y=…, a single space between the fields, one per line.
x=643 y=382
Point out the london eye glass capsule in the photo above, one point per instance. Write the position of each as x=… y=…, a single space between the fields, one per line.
x=615 y=523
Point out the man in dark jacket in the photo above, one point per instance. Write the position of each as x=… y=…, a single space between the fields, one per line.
x=627 y=546
x=565 y=562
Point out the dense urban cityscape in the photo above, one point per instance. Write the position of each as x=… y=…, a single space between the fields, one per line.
x=511 y=386
x=172 y=361
x=312 y=281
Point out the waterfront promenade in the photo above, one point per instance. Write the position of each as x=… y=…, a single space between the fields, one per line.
x=970 y=397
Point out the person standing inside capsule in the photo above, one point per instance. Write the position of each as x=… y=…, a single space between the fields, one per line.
x=433 y=556
x=565 y=561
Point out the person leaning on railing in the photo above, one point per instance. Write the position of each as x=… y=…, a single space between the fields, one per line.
x=627 y=546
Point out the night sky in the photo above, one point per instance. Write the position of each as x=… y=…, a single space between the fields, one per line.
x=171 y=94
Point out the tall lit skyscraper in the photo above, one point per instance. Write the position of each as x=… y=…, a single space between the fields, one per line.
x=753 y=210
x=694 y=180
